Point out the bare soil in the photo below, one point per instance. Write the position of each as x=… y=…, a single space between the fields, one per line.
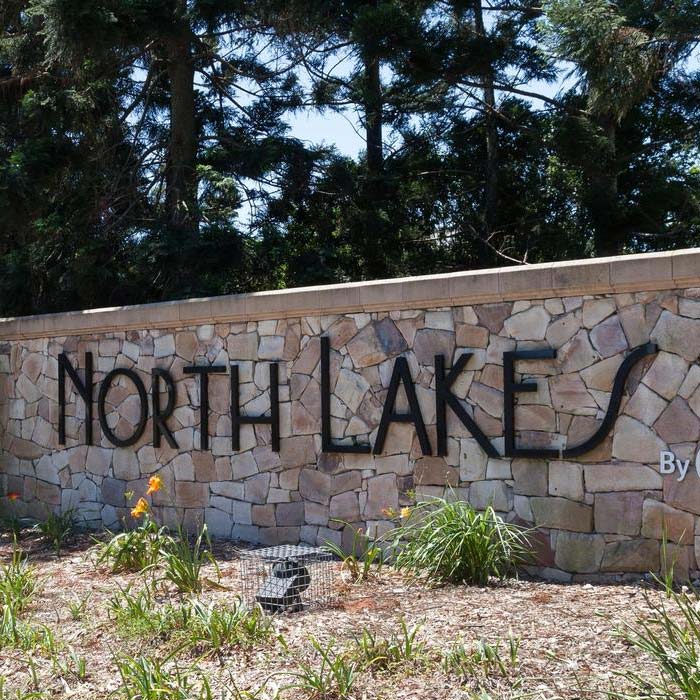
x=568 y=646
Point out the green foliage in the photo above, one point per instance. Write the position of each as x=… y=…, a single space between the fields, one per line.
x=135 y=550
x=364 y=558
x=484 y=658
x=56 y=527
x=670 y=636
x=378 y=653
x=183 y=560
x=146 y=678
x=333 y=678
x=450 y=541
x=17 y=583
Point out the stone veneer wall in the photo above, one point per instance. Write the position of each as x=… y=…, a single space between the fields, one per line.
x=604 y=512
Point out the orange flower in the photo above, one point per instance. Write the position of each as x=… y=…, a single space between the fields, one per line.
x=389 y=512
x=13 y=495
x=141 y=508
x=155 y=483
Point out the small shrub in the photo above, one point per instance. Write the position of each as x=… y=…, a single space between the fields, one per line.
x=183 y=561
x=57 y=527
x=145 y=678
x=450 y=541
x=375 y=653
x=363 y=556
x=17 y=582
x=670 y=636
x=332 y=679
x=135 y=550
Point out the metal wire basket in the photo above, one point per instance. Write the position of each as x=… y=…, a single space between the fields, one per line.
x=286 y=578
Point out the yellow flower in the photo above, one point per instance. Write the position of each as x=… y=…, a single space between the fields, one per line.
x=405 y=512
x=389 y=512
x=155 y=483
x=141 y=508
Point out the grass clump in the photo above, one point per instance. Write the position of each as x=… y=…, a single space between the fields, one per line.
x=135 y=550
x=57 y=527
x=670 y=636
x=379 y=654
x=146 y=678
x=183 y=560
x=17 y=582
x=451 y=542
x=483 y=659
x=364 y=556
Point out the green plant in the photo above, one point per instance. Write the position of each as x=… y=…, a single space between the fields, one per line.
x=377 y=653
x=56 y=527
x=450 y=541
x=135 y=550
x=77 y=607
x=135 y=614
x=21 y=635
x=17 y=582
x=7 y=694
x=72 y=665
x=670 y=636
x=145 y=678
x=183 y=560
x=483 y=659
x=363 y=555
x=333 y=678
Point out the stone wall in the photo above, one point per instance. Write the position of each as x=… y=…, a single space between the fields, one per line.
x=604 y=512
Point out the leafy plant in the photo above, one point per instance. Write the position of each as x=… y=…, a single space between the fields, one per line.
x=333 y=678
x=183 y=560
x=77 y=607
x=16 y=633
x=484 y=658
x=363 y=556
x=135 y=550
x=670 y=636
x=450 y=541
x=17 y=582
x=56 y=527
x=377 y=653
x=145 y=678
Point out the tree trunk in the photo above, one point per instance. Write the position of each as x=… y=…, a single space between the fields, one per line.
x=490 y=202
x=181 y=179
x=603 y=205
x=373 y=117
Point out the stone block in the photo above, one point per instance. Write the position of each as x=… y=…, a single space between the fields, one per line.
x=562 y=514
x=618 y=513
x=382 y=494
x=257 y=487
x=375 y=343
x=315 y=486
x=621 y=477
x=219 y=523
x=678 y=335
x=635 y=442
x=608 y=338
x=345 y=507
x=112 y=491
x=530 y=477
x=678 y=423
x=435 y=471
x=578 y=553
x=191 y=494
x=566 y=480
x=496 y=494
x=683 y=494
x=290 y=514
x=528 y=325
x=659 y=518
x=347 y=481
x=472 y=460
x=429 y=343
x=631 y=556
x=297 y=451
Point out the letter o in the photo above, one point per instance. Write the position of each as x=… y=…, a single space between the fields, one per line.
x=143 y=417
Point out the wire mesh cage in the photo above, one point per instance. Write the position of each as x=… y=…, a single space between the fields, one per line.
x=286 y=578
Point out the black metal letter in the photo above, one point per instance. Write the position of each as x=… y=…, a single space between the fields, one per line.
x=402 y=374
x=204 y=371
x=444 y=398
x=510 y=388
x=85 y=390
x=327 y=444
x=160 y=427
x=143 y=415
x=273 y=419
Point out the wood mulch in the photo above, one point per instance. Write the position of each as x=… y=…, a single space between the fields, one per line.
x=568 y=646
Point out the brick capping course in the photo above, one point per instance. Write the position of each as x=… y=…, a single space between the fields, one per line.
x=628 y=273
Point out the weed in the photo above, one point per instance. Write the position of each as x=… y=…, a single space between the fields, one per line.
x=17 y=582
x=363 y=555
x=71 y=666
x=333 y=678
x=135 y=550
x=145 y=678
x=57 y=527
x=7 y=694
x=671 y=638
x=450 y=541
x=376 y=653
x=183 y=561
x=134 y=614
x=484 y=659
x=77 y=607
